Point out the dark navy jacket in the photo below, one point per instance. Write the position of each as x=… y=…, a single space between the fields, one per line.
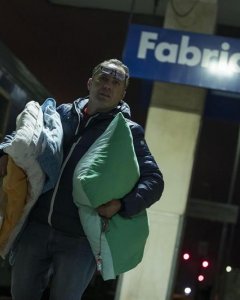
x=150 y=186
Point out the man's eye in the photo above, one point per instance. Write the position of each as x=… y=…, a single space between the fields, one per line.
x=116 y=82
x=103 y=78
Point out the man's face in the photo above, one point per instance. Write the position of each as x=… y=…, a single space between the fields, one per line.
x=106 y=87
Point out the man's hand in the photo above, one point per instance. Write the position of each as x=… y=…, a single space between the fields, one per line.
x=109 y=209
x=3 y=165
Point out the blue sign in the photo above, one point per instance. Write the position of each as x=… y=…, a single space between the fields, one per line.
x=183 y=57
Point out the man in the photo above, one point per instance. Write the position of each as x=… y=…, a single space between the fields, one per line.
x=53 y=243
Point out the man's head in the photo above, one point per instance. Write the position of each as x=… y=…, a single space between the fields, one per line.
x=107 y=86
x=124 y=71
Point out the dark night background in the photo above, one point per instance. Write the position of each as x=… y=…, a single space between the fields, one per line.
x=60 y=45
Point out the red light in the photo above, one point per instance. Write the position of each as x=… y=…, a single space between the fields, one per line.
x=200 y=278
x=205 y=264
x=186 y=256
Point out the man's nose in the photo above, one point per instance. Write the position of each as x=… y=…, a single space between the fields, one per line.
x=107 y=84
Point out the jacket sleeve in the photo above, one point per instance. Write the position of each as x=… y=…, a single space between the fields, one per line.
x=150 y=186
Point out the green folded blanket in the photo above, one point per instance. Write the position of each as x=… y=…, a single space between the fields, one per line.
x=109 y=170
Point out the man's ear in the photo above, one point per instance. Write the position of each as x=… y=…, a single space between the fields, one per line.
x=89 y=83
x=124 y=94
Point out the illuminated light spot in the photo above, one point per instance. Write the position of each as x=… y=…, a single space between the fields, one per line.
x=200 y=278
x=187 y=291
x=205 y=263
x=186 y=256
x=228 y=269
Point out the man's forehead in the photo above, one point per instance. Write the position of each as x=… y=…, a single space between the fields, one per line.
x=114 y=67
x=112 y=70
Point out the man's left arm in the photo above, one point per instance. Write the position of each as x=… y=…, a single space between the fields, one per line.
x=149 y=187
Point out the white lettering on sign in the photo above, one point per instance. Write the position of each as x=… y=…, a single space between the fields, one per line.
x=187 y=54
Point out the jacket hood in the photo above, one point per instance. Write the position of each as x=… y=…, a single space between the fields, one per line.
x=122 y=107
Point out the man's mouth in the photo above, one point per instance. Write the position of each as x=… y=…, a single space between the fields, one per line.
x=104 y=95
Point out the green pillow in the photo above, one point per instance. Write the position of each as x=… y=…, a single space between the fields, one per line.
x=109 y=170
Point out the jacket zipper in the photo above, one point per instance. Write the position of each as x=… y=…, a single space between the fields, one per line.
x=61 y=171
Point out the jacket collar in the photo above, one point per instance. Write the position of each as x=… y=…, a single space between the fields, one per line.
x=122 y=107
